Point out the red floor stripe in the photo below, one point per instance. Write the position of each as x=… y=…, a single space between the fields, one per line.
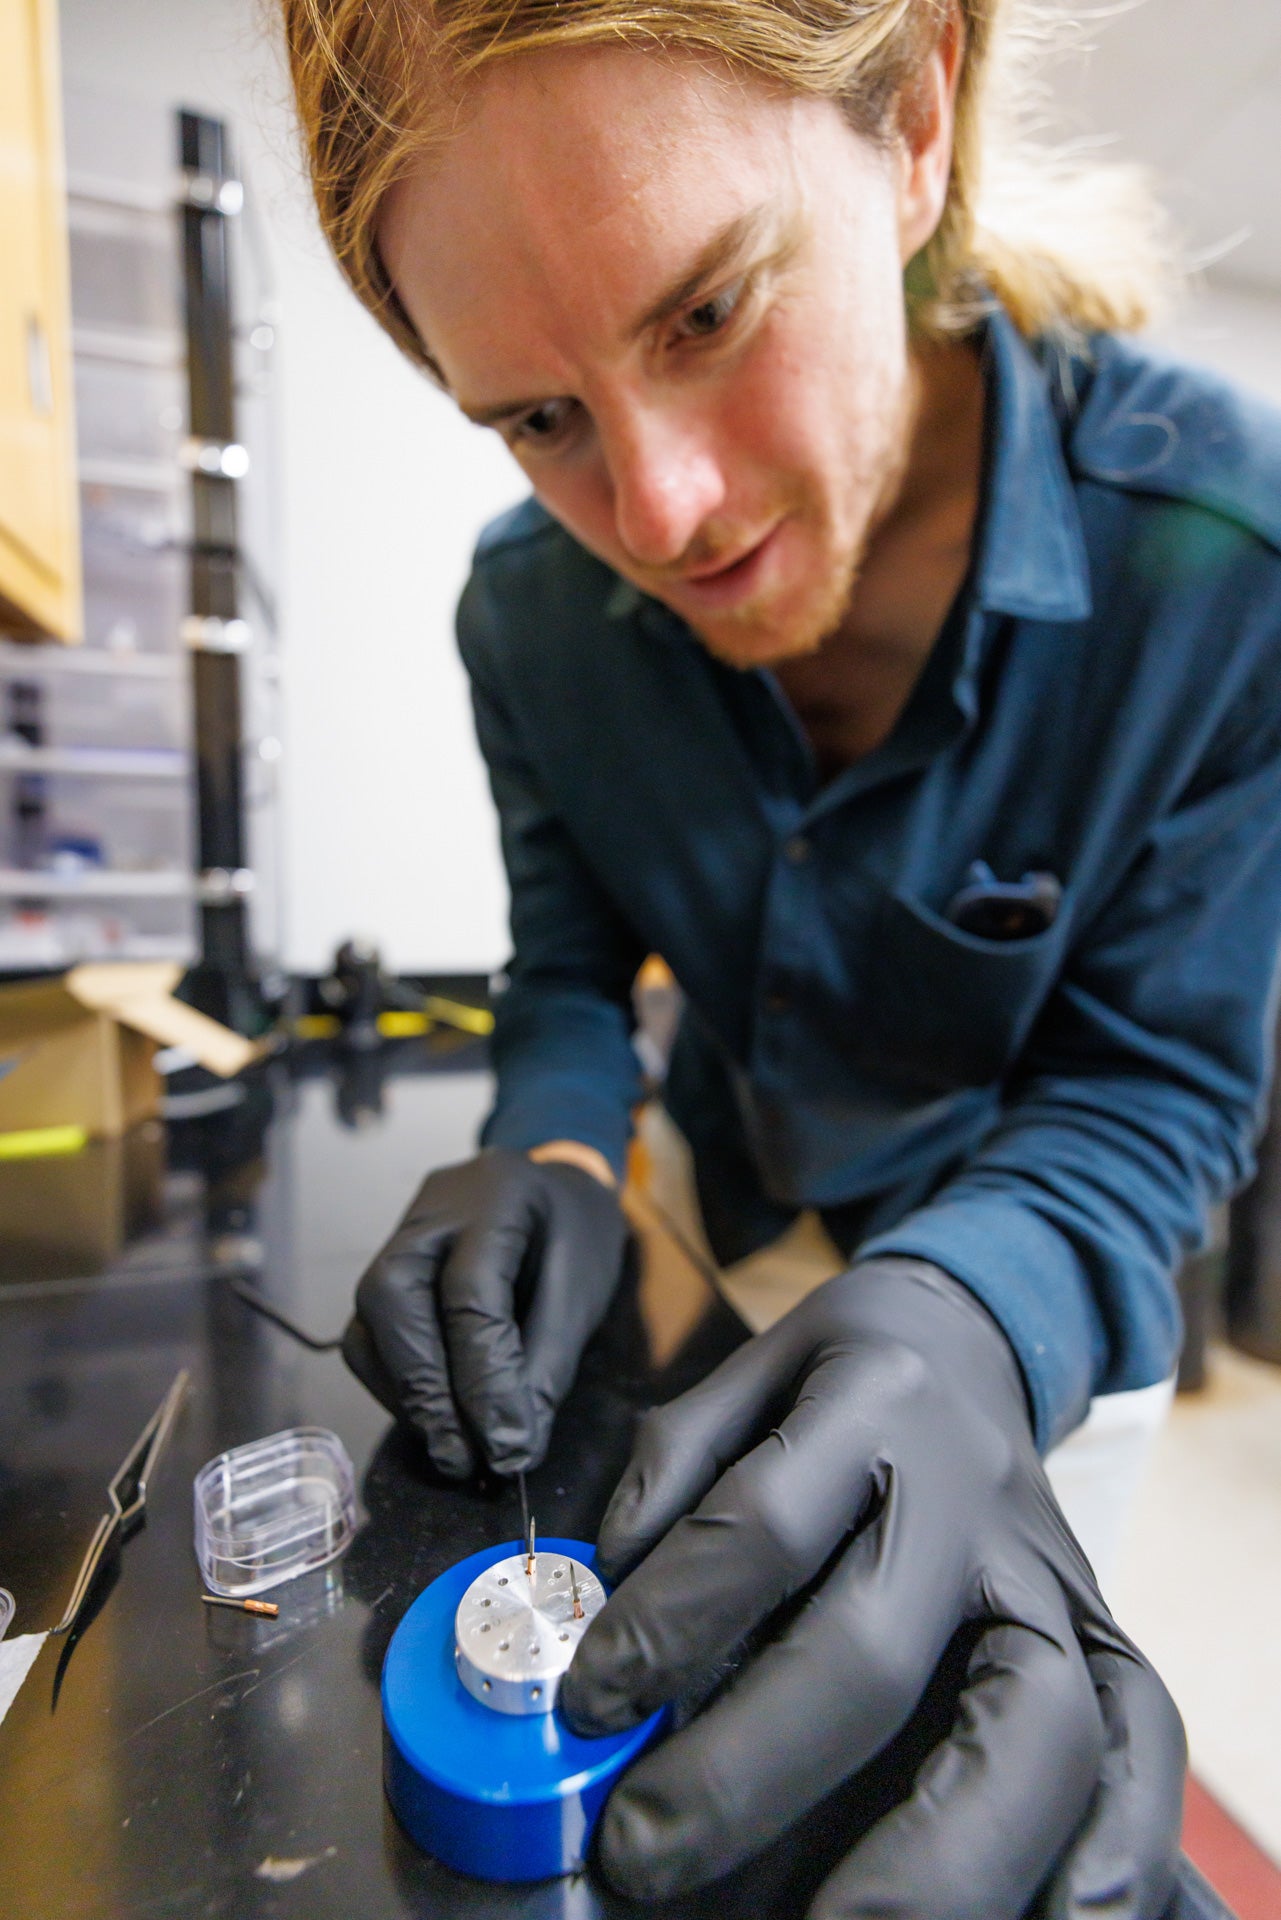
x=1236 y=1867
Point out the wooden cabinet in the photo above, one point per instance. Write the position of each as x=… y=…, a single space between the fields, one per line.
x=39 y=541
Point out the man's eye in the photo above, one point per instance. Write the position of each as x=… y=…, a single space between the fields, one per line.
x=712 y=315
x=543 y=425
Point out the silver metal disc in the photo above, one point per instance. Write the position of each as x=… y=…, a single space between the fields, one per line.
x=514 y=1637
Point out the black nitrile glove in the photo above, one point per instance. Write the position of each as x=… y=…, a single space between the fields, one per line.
x=872 y=1454
x=471 y=1321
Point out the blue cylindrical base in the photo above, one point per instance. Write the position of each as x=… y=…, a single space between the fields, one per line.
x=500 y=1796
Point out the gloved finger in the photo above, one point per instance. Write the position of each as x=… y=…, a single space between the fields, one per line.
x=808 y=1712
x=682 y=1448
x=478 y=1282
x=995 y=1804
x=396 y=1302
x=765 y=1530
x=361 y=1355
x=1124 y=1861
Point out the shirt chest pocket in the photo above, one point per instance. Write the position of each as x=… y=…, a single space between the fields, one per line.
x=948 y=1009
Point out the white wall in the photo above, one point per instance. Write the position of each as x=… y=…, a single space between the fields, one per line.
x=1167 y=83
x=1192 y=89
x=388 y=829
x=1234 y=328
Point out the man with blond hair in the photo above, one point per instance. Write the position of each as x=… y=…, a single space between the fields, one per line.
x=892 y=645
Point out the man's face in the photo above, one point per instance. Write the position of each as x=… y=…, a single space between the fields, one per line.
x=677 y=294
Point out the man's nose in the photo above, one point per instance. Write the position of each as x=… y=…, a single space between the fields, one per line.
x=667 y=482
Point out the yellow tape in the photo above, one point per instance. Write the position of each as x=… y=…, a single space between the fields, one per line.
x=398 y=1026
x=35 y=1143
x=452 y=1013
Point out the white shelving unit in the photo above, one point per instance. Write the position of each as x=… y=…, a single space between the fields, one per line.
x=98 y=847
x=16 y=659
x=127 y=763
x=20 y=883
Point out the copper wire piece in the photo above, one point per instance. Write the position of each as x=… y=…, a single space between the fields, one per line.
x=266 y=1607
x=573 y=1581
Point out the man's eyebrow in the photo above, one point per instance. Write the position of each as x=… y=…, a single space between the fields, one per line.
x=724 y=249
x=735 y=239
x=504 y=410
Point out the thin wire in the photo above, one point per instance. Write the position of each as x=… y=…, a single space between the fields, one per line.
x=260 y=1304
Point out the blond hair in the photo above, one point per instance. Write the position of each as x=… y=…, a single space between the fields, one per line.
x=1063 y=241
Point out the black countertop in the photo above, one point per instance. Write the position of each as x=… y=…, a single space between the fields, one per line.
x=177 y=1760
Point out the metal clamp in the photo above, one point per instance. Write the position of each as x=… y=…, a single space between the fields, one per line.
x=209 y=633
x=220 y=886
x=221 y=459
x=210 y=193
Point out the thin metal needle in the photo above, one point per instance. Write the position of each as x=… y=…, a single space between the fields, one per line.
x=529 y=1564
x=573 y=1581
x=524 y=1506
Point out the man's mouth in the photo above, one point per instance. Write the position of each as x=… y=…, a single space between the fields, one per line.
x=722 y=583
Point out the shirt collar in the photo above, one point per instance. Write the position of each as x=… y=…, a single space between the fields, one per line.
x=1030 y=557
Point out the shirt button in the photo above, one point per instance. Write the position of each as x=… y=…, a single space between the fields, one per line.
x=798 y=850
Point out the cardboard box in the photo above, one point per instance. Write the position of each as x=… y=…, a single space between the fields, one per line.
x=66 y=1215
x=78 y=1051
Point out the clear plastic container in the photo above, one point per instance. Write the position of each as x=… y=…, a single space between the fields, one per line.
x=43 y=936
x=273 y=1509
x=107 y=709
x=136 y=568
x=141 y=826
x=126 y=273
x=129 y=410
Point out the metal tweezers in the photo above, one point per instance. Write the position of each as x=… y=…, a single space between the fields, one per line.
x=127 y=1492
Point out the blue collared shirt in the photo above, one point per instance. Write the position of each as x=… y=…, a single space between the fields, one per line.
x=1048 y=1117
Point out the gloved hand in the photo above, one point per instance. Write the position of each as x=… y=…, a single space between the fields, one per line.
x=872 y=1453
x=471 y=1321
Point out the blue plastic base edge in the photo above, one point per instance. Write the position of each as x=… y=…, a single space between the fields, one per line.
x=494 y=1795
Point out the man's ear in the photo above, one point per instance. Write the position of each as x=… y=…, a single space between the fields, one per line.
x=926 y=118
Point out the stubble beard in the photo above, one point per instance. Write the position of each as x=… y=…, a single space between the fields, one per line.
x=747 y=638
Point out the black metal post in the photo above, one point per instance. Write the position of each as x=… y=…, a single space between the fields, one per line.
x=223 y=982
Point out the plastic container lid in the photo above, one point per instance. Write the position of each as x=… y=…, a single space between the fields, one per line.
x=273 y=1509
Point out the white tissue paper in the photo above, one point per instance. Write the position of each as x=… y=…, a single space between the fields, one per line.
x=17 y=1657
